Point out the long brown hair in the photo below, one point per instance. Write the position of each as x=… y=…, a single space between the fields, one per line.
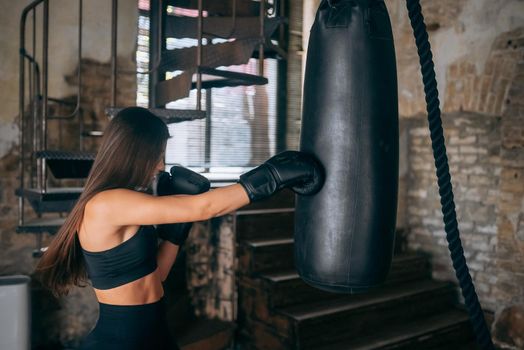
x=131 y=148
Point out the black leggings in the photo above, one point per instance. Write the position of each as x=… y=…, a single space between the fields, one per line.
x=130 y=327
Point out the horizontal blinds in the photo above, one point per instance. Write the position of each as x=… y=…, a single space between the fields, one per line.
x=242 y=124
x=242 y=120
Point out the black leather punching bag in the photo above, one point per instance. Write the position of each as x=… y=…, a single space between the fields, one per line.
x=344 y=235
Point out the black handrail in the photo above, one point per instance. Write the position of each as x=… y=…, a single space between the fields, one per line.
x=39 y=96
x=114 y=33
x=21 y=101
x=74 y=113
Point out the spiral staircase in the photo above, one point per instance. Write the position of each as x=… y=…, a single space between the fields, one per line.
x=227 y=33
x=245 y=29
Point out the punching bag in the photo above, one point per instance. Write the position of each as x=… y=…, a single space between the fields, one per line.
x=344 y=235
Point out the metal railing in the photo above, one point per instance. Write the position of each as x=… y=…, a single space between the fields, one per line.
x=34 y=89
x=34 y=118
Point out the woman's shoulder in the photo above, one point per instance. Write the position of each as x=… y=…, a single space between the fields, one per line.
x=104 y=201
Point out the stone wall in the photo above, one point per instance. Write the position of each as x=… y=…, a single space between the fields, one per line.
x=211 y=268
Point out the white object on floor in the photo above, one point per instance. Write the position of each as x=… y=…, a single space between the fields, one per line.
x=15 y=312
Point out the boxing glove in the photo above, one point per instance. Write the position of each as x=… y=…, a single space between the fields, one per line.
x=179 y=181
x=300 y=171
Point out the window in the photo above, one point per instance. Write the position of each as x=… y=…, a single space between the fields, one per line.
x=242 y=120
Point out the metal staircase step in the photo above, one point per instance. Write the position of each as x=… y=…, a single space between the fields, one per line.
x=179 y=86
x=66 y=164
x=65 y=155
x=52 y=200
x=447 y=330
x=93 y=133
x=245 y=27
x=272 y=51
x=45 y=225
x=169 y=116
x=215 y=55
x=217 y=78
x=220 y=8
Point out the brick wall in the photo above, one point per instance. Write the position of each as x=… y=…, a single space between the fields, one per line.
x=473 y=146
x=485 y=148
x=481 y=88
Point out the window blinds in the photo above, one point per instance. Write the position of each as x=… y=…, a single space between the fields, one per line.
x=242 y=120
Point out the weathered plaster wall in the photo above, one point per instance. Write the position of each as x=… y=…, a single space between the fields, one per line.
x=63 y=43
x=61 y=322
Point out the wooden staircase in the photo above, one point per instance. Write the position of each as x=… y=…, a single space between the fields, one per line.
x=277 y=310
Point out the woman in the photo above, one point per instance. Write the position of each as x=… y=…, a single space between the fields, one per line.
x=109 y=234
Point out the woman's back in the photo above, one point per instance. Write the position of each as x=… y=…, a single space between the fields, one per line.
x=121 y=261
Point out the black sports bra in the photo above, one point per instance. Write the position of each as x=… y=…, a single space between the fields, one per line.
x=128 y=261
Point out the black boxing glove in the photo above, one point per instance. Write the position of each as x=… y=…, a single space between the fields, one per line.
x=300 y=171
x=179 y=181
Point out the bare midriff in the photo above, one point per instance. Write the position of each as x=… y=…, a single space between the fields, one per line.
x=145 y=290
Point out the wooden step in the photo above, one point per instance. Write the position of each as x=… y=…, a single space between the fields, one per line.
x=53 y=200
x=169 y=116
x=179 y=86
x=215 y=55
x=271 y=51
x=340 y=320
x=354 y=316
x=276 y=254
x=286 y=288
x=265 y=255
x=450 y=329
x=220 y=27
x=265 y=223
x=220 y=8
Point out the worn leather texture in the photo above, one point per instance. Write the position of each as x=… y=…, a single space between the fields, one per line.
x=344 y=235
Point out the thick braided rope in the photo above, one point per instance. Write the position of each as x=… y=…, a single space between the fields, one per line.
x=444 y=179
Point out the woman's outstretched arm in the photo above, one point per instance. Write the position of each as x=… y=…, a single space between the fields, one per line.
x=167 y=251
x=122 y=207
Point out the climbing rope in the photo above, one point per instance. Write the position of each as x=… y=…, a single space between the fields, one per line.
x=444 y=178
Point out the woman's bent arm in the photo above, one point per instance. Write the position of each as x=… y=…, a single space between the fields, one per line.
x=167 y=253
x=122 y=207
